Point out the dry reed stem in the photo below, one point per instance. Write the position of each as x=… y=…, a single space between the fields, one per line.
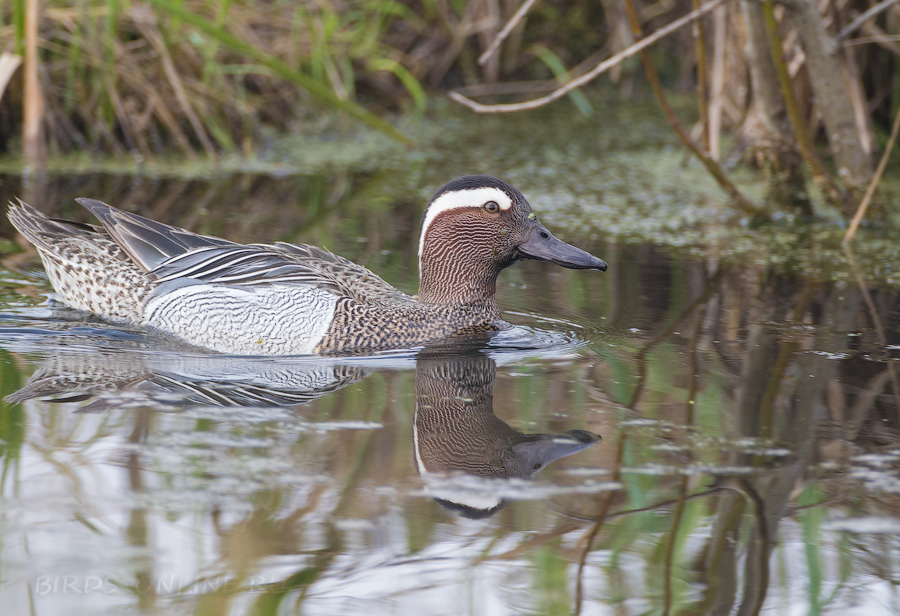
x=702 y=80
x=717 y=82
x=876 y=35
x=714 y=169
x=121 y=115
x=854 y=25
x=501 y=36
x=829 y=93
x=33 y=147
x=858 y=102
x=598 y=70
x=801 y=131
x=152 y=35
x=870 y=190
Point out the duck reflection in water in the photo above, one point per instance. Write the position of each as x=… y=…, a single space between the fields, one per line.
x=460 y=444
x=457 y=436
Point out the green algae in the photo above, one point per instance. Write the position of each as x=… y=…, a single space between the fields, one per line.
x=619 y=175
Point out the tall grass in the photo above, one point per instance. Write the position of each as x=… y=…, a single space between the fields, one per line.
x=146 y=77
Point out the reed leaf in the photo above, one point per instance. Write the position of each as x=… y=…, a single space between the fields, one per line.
x=406 y=78
x=19 y=25
x=552 y=61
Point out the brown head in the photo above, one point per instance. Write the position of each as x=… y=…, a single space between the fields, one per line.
x=474 y=227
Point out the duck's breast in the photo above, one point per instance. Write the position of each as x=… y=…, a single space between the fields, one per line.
x=254 y=320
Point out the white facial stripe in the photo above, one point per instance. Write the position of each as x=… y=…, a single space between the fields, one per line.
x=473 y=197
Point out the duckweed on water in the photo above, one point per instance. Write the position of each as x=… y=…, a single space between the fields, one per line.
x=617 y=176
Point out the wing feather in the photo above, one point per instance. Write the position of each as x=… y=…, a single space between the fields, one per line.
x=171 y=253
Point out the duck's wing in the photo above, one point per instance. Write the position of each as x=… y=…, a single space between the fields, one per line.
x=148 y=243
x=293 y=264
x=354 y=279
x=171 y=253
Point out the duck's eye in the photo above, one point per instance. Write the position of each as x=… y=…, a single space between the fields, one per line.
x=491 y=207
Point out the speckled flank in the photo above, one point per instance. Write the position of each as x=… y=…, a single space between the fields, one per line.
x=358 y=326
x=116 y=293
x=245 y=321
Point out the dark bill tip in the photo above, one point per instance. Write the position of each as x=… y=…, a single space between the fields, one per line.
x=544 y=246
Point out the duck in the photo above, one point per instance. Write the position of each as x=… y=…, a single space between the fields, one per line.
x=296 y=299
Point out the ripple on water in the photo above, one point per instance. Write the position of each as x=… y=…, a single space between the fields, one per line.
x=39 y=330
x=463 y=488
x=540 y=338
x=867 y=524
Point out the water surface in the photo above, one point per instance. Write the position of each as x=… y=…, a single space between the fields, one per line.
x=676 y=434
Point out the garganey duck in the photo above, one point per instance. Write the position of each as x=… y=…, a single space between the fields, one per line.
x=290 y=299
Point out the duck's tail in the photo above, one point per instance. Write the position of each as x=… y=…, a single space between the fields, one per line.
x=45 y=232
x=88 y=270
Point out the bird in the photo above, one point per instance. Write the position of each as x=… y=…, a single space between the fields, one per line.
x=296 y=299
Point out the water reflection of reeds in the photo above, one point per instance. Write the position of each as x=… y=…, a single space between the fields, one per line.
x=749 y=416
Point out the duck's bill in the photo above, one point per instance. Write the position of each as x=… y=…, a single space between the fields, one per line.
x=544 y=246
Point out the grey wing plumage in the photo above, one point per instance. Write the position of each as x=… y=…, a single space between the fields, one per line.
x=171 y=253
x=354 y=279
x=239 y=264
x=260 y=393
x=259 y=264
x=148 y=243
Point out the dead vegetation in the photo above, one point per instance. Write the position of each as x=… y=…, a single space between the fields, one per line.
x=146 y=78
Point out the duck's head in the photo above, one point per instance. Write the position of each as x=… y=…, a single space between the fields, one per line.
x=474 y=227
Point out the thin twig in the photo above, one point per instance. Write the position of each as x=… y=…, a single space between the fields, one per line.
x=509 y=87
x=720 y=24
x=593 y=73
x=495 y=44
x=854 y=25
x=867 y=198
x=713 y=167
x=795 y=116
x=879 y=40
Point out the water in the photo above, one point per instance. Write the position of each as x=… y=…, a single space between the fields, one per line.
x=676 y=434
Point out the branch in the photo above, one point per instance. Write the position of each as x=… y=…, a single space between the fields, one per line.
x=711 y=165
x=593 y=73
x=867 y=198
x=854 y=25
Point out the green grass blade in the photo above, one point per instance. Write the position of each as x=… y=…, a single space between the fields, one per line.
x=19 y=24
x=556 y=66
x=399 y=71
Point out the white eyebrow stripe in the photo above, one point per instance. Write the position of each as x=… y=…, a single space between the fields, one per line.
x=451 y=200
